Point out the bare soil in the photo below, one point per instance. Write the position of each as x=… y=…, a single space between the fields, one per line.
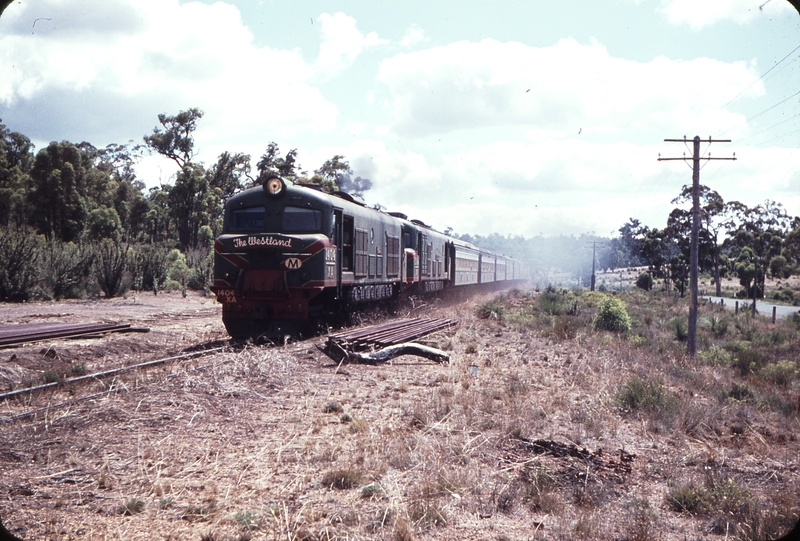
x=281 y=443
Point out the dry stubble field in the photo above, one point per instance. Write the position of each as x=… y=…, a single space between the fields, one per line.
x=518 y=437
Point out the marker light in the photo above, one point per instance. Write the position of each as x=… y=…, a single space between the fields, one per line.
x=274 y=186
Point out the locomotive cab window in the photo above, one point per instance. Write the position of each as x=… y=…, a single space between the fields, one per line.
x=301 y=220
x=248 y=219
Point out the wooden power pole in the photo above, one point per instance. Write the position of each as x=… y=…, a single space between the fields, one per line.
x=691 y=341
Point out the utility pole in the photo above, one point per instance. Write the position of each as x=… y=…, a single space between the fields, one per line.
x=691 y=341
x=594 y=250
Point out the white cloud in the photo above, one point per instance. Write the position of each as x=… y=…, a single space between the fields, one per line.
x=561 y=187
x=342 y=43
x=111 y=71
x=699 y=15
x=413 y=37
x=562 y=88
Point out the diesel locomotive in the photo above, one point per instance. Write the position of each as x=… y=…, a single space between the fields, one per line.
x=292 y=254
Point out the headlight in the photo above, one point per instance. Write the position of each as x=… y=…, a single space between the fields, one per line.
x=274 y=186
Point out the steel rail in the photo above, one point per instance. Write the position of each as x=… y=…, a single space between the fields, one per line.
x=389 y=334
x=34 y=332
x=113 y=371
x=75 y=400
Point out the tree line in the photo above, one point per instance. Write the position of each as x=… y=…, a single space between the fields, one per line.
x=747 y=243
x=75 y=220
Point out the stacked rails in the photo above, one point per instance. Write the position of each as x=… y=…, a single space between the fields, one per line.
x=389 y=334
x=32 y=332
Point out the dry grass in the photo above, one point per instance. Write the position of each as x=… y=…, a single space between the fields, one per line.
x=280 y=443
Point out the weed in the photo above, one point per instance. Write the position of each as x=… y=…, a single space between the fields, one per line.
x=679 y=328
x=739 y=392
x=540 y=488
x=492 y=309
x=780 y=373
x=688 y=499
x=638 y=394
x=246 y=520
x=718 y=325
x=51 y=376
x=199 y=512
x=333 y=407
x=565 y=327
x=552 y=301
x=715 y=356
x=370 y=490
x=640 y=524
x=132 y=507
x=341 y=479
x=746 y=327
x=78 y=369
x=427 y=511
x=749 y=361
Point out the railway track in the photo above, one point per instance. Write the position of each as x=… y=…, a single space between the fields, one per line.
x=374 y=336
x=13 y=335
x=99 y=377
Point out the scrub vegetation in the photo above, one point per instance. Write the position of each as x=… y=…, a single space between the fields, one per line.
x=543 y=425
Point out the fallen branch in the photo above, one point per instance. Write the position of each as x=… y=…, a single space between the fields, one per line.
x=336 y=352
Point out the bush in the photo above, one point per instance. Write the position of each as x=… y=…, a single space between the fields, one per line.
x=66 y=267
x=19 y=253
x=645 y=281
x=640 y=394
x=611 y=316
x=783 y=294
x=679 y=328
x=493 y=309
x=780 y=373
x=111 y=263
x=552 y=301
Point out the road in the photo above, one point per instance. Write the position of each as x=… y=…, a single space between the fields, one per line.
x=762 y=307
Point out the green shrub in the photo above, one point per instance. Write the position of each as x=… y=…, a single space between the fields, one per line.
x=783 y=294
x=612 y=316
x=19 y=254
x=688 y=499
x=749 y=361
x=716 y=356
x=679 y=327
x=639 y=394
x=552 y=301
x=780 y=373
x=492 y=309
x=645 y=281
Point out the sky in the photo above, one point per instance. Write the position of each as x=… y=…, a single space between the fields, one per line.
x=515 y=117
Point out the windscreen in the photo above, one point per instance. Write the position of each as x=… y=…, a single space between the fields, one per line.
x=247 y=219
x=301 y=220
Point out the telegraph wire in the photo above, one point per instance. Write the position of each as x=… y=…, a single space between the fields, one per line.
x=761 y=77
x=771 y=107
x=767 y=129
x=779 y=137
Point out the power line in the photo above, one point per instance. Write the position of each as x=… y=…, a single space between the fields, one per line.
x=767 y=129
x=764 y=111
x=761 y=77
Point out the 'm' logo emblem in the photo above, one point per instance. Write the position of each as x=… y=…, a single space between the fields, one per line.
x=293 y=263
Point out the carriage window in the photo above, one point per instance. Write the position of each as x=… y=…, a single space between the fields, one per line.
x=301 y=220
x=249 y=219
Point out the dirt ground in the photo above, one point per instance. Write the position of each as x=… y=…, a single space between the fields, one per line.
x=281 y=443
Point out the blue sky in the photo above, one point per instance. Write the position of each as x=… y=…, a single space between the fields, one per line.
x=509 y=117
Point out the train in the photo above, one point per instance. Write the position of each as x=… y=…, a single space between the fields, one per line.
x=291 y=255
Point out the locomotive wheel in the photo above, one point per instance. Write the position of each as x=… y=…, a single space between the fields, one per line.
x=261 y=329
